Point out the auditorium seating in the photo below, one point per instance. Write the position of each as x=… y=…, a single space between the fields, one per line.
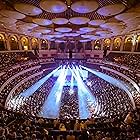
x=22 y=121
x=127 y=59
x=19 y=126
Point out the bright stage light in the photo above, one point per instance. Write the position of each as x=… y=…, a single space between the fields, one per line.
x=38 y=84
x=89 y=83
x=24 y=95
x=86 y=100
x=71 y=85
x=83 y=110
x=51 y=106
x=71 y=91
x=112 y=81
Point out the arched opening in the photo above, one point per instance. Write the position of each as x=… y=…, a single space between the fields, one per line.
x=14 y=43
x=2 y=43
x=62 y=46
x=25 y=43
x=88 y=45
x=44 y=45
x=97 y=45
x=71 y=47
x=79 y=47
x=107 y=44
x=137 y=49
x=128 y=44
x=34 y=43
x=53 y=46
x=116 y=44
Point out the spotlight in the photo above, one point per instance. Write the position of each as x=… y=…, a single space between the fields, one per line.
x=89 y=83
x=34 y=87
x=71 y=91
x=112 y=81
x=51 y=106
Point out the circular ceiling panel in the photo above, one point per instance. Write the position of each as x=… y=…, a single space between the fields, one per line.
x=22 y=29
x=95 y=37
x=71 y=34
x=60 y=21
x=28 y=25
x=53 y=6
x=36 y=34
x=127 y=16
x=28 y=9
x=111 y=10
x=51 y=39
x=87 y=36
x=79 y=20
x=12 y=14
x=87 y=29
x=133 y=21
x=8 y=20
x=43 y=22
x=63 y=29
x=80 y=32
x=59 y=36
x=57 y=33
x=111 y=25
x=49 y=36
x=11 y=26
x=102 y=32
x=60 y=41
x=44 y=31
x=84 y=6
x=96 y=22
x=85 y=40
x=32 y=25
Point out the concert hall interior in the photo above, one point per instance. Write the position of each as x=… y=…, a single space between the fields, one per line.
x=69 y=69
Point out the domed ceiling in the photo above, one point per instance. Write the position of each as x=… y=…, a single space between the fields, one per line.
x=80 y=17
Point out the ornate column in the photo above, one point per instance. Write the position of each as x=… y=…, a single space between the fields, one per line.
x=7 y=42
x=39 y=44
x=93 y=43
x=19 y=42
x=84 y=45
x=102 y=44
x=48 y=45
x=30 y=43
x=123 y=42
x=134 y=41
x=111 y=44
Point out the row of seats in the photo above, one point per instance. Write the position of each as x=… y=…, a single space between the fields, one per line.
x=111 y=100
x=18 y=126
x=127 y=59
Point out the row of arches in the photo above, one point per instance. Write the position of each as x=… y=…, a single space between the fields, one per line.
x=117 y=43
x=24 y=43
x=106 y=44
x=102 y=44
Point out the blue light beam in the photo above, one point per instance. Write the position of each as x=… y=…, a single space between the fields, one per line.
x=91 y=101
x=85 y=98
x=112 y=81
x=83 y=110
x=51 y=106
x=38 y=84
